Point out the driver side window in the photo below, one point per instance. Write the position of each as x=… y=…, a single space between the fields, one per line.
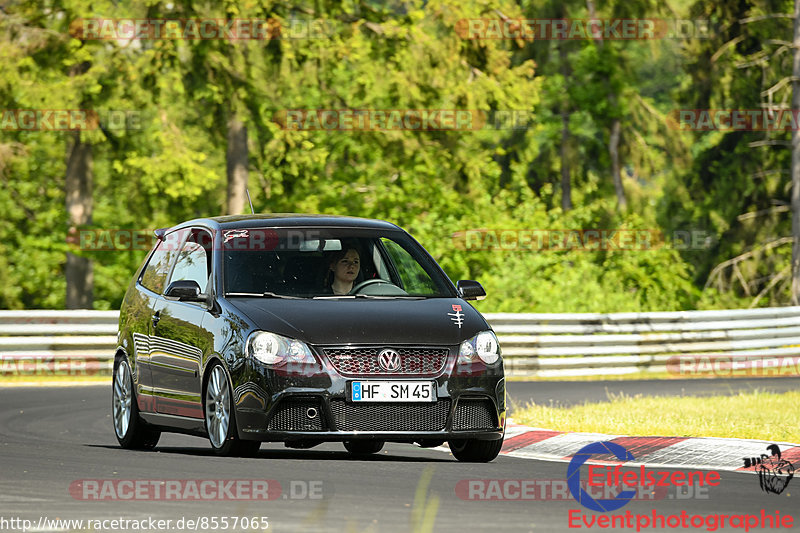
x=414 y=278
x=194 y=260
x=154 y=276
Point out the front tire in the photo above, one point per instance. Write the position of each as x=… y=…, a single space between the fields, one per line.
x=220 y=419
x=131 y=431
x=475 y=451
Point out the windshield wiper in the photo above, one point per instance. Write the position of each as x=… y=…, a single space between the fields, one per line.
x=389 y=296
x=269 y=294
x=370 y=296
x=266 y=294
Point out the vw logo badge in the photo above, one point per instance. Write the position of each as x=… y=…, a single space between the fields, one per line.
x=389 y=360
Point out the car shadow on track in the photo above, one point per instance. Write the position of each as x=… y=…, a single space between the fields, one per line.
x=291 y=454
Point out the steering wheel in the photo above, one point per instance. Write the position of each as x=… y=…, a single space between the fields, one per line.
x=368 y=282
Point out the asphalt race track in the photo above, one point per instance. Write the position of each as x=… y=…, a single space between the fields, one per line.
x=53 y=438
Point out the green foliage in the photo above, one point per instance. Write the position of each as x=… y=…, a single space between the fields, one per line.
x=737 y=185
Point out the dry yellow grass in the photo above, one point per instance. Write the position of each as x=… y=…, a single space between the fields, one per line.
x=753 y=415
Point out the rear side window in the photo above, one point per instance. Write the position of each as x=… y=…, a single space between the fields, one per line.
x=155 y=273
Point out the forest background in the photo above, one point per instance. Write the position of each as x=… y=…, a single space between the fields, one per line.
x=594 y=145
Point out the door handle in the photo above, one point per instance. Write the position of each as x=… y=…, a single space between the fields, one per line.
x=156 y=318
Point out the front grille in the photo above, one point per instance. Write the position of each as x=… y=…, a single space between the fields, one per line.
x=474 y=414
x=291 y=415
x=431 y=416
x=363 y=361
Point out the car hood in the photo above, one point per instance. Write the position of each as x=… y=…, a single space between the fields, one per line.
x=365 y=321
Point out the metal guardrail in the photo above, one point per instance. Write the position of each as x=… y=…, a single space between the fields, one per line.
x=76 y=343
x=726 y=341
x=533 y=344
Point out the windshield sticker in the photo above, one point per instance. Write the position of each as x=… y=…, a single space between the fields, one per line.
x=457 y=316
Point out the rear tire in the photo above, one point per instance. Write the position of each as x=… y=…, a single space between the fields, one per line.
x=221 y=420
x=131 y=431
x=363 y=447
x=475 y=451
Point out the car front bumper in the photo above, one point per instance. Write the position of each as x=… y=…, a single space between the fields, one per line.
x=271 y=406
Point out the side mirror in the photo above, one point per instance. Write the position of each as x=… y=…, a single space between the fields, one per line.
x=186 y=290
x=470 y=290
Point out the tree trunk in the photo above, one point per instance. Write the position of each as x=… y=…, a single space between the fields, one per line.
x=613 y=141
x=597 y=34
x=796 y=160
x=78 y=272
x=237 y=163
x=566 y=181
x=613 y=152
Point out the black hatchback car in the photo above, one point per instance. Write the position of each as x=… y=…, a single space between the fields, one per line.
x=304 y=329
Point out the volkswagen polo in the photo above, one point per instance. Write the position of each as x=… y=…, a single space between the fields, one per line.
x=304 y=329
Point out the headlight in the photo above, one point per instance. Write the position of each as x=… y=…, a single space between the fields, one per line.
x=274 y=349
x=483 y=345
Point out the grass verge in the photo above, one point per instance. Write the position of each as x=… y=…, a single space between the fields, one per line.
x=753 y=415
x=635 y=376
x=638 y=376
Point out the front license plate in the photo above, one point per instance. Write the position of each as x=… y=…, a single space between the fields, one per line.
x=392 y=391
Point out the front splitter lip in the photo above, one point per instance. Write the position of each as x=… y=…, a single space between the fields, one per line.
x=389 y=436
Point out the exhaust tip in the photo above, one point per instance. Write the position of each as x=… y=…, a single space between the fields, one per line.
x=312 y=412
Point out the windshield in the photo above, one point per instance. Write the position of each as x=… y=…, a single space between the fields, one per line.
x=329 y=263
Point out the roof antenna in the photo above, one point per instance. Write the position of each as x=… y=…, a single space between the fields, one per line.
x=252 y=211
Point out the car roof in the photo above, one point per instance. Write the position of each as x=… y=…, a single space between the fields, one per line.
x=286 y=220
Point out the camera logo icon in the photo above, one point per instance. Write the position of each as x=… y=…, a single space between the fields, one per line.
x=774 y=473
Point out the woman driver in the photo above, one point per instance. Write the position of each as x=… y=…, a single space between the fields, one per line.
x=344 y=266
